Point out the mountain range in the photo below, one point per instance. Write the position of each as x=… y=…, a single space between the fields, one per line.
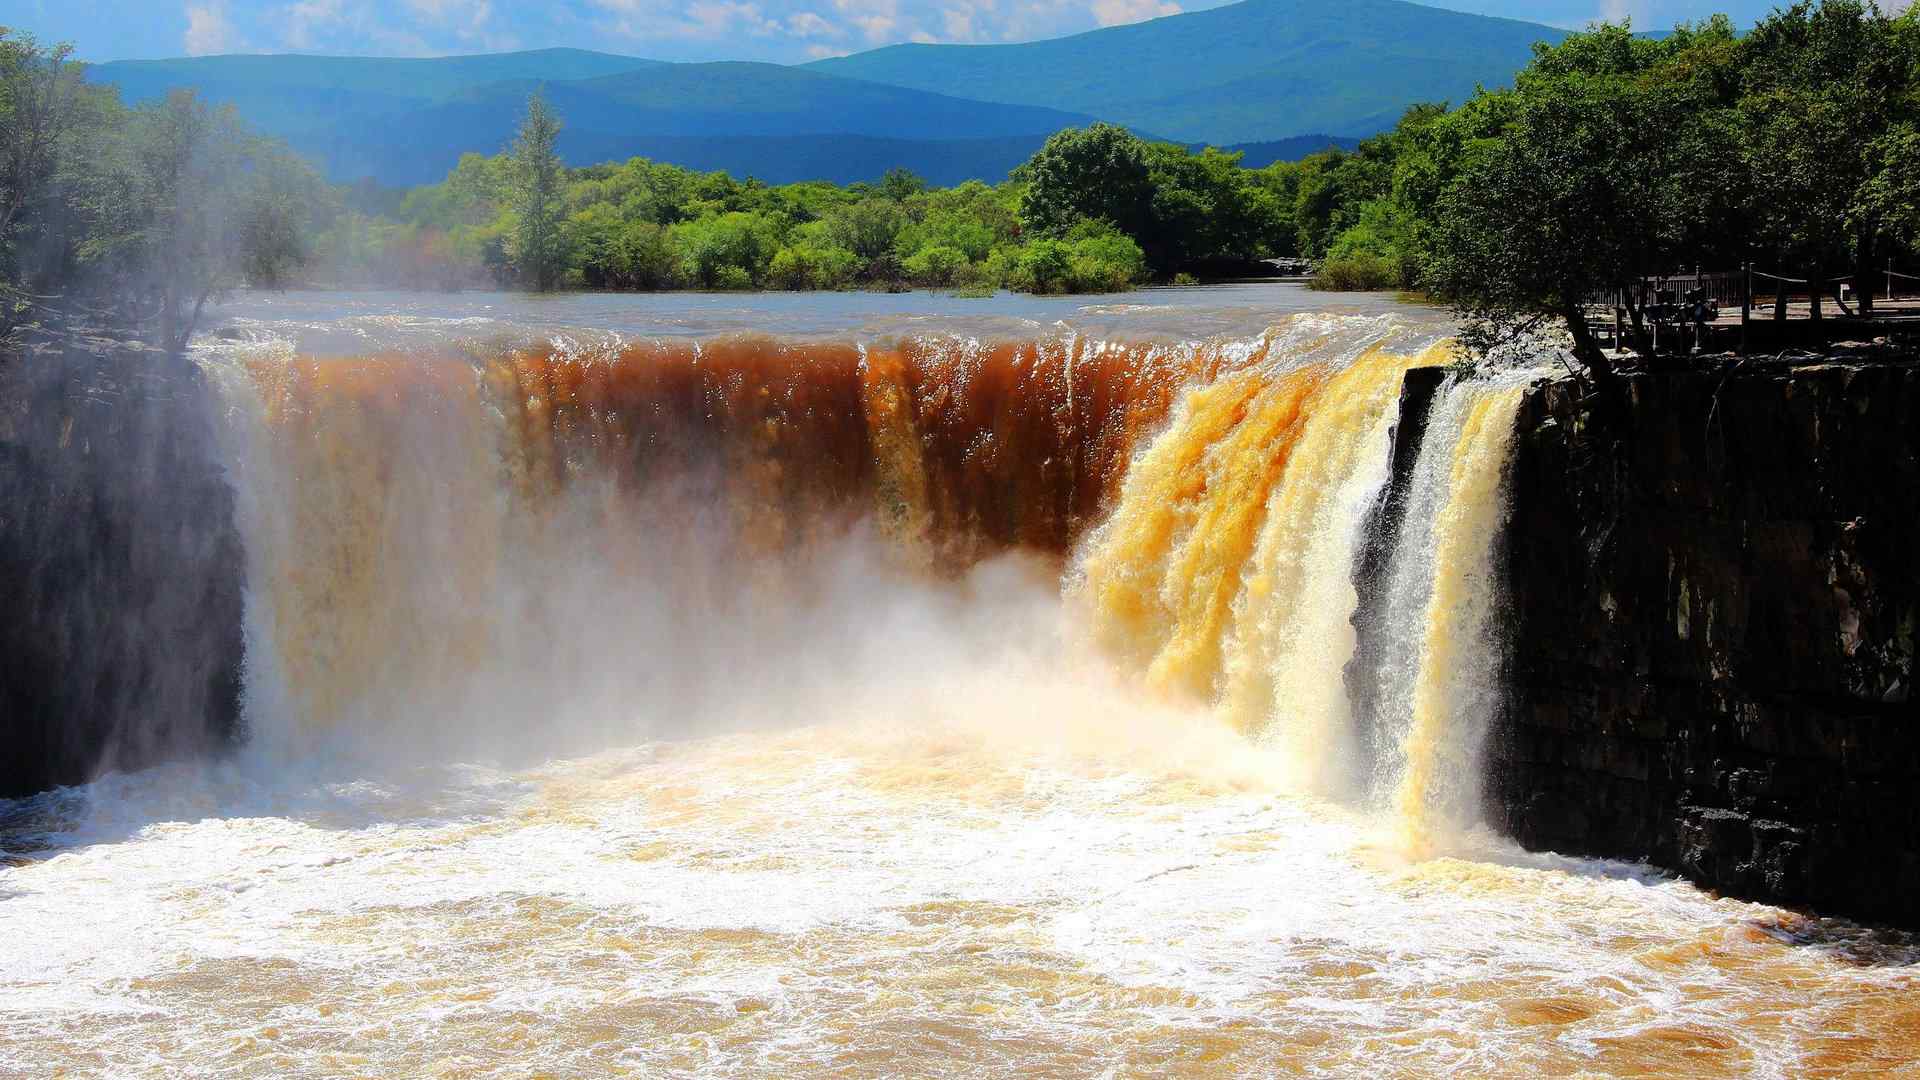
x=1284 y=77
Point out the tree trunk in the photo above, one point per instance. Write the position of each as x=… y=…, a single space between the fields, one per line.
x=1587 y=351
x=1863 y=270
x=1642 y=342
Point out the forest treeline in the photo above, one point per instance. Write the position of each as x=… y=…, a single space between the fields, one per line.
x=650 y=225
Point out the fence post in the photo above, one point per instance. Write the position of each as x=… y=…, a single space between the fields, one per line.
x=1746 y=303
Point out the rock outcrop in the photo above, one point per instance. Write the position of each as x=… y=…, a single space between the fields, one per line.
x=1713 y=632
x=121 y=572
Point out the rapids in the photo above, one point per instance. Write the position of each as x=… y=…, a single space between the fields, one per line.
x=872 y=700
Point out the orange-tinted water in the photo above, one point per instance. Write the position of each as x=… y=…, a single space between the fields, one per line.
x=916 y=708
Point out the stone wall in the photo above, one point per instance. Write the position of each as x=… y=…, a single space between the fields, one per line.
x=120 y=568
x=1713 y=633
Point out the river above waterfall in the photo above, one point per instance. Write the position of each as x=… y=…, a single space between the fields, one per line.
x=350 y=323
x=870 y=686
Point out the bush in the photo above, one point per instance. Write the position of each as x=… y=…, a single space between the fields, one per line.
x=1095 y=257
x=711 y=247
x=812 y=266
x=1104 y=259
x=936 y=266
x=1361 y=272
x=1043 y=266
x=644 y=258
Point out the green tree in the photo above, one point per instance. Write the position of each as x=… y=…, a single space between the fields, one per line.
x=1822 y=89
x=1099 y=173
x=901 y=184
x=731 y=250
x=1591 y=185
x=1891 y=196
x=43 y=100
x=195 y=206
x=935 y=266
x=537 y=172
x=866 y=228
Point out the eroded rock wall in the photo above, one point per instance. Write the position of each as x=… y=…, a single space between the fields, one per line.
x=120 y=568
x=1713 y=633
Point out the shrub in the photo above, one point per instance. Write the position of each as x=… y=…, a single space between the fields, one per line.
x=1095 y=257
x=1043 y=266
x=813 y=266
x=1360 y=272
x=936 y=266
x=710 y=246
x=1104 y=259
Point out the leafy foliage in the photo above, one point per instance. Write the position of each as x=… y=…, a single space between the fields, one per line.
x=136 y=218
x=1617 y=157
x=536 y=174
x=1095 y=210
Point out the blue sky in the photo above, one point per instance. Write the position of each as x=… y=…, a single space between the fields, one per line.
x=778 y=30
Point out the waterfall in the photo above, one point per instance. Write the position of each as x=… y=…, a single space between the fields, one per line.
x=1439 y=673
x=1225 y=572
x=439 y=548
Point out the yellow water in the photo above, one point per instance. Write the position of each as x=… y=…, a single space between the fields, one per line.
x=939 y=709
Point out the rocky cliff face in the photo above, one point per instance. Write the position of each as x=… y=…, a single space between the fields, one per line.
x=1713 y=633
x=120 y=568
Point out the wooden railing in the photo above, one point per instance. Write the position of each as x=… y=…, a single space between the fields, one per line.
x=1686 y=305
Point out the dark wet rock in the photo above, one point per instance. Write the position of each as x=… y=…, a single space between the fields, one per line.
x=1713 y=636
x=120 y=566
x=1379 y=529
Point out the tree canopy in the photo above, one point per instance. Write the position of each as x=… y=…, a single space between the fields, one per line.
x=135 y=217
x=1616 y=157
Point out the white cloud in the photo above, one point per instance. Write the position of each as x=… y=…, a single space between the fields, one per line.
x=1622 y=11
x=1115 y=12
x=412 y=28
x=958 y=23
x=811 y=24
x=303 y=19
x=209 y=30
x=719 y=18
x=879 y=20
x=796 y=29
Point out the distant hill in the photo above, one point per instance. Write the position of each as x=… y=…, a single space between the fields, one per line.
x=1261 y=154
x=842 y=159
x=754 y=99
x=1253 y=71
x=288 y=94
x=403 y=124
x=1276 y=78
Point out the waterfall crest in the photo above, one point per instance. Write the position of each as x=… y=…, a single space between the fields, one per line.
x=457 y=535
